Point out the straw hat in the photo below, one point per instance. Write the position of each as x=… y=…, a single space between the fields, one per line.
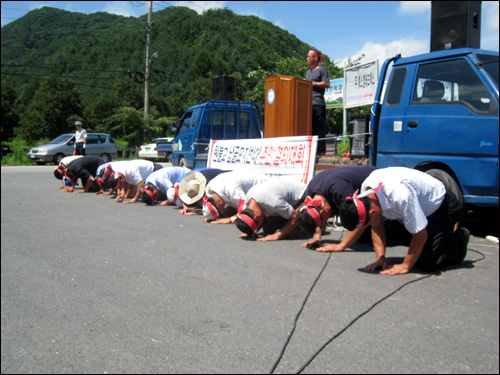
x=192 y=188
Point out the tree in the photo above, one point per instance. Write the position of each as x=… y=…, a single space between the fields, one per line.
x=10 y=118
x=98 y=111
x=53 y=110
x=129 y=93
x=128 y=124
x=96 y=51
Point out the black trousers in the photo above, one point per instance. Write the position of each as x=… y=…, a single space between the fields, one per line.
x=79 y=149
x=444 y=246
x=319 y=126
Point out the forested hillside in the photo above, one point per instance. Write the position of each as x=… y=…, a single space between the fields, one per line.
x=59 y=66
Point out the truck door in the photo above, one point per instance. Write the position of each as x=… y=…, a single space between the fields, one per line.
x=452 y=119
x=391 y=118
x=185 y=138
x=186 y=133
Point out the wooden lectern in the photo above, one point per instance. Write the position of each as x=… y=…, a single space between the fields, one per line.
x=288 y=106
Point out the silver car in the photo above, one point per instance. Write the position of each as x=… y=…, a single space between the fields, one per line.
x=98 y=144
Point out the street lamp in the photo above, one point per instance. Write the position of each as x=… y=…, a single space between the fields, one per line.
x=153 y=55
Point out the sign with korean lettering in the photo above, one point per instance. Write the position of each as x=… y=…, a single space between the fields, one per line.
x=334 y=95
x=360 y=84
x=291 y=157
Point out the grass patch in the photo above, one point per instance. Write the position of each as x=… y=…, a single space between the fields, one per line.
x=19 y=155
x=343 y=146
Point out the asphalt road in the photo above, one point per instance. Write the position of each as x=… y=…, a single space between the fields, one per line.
x=93 y=286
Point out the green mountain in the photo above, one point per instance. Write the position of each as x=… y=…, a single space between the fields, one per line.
x=100 y=58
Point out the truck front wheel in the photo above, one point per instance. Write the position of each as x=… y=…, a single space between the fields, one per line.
x=182 y=162
x=452 y=188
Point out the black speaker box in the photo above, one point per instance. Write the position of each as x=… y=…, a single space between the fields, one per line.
x=223 y=88
x=455 y=24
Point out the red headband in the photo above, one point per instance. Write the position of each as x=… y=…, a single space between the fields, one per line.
x=176 y=193
x=251 y=222
x=153 y=194
x=107 y=172
x=213 y=211
x=360 y=205
x=320 y=57
x=361 y=212
x=308 y=206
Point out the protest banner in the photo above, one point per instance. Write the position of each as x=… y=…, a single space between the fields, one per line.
x=360 y=84
x=287 y=157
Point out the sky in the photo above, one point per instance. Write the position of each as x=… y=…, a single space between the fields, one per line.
x=339 y=29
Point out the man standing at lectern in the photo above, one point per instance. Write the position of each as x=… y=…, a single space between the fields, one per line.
x=320 y=81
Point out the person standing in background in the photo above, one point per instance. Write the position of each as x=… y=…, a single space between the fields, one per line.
x=80 y=139
x=320 y=81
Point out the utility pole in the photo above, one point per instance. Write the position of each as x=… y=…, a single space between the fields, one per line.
x=148 y=61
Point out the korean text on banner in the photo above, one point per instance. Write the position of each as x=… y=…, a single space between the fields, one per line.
x=360 y=84
x=287 y=157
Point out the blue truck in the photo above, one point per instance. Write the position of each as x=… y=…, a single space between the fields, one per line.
x=215 y=119
x=439 y=114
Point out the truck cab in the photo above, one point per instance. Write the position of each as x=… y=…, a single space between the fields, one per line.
x=216 y=119
x=440 y=113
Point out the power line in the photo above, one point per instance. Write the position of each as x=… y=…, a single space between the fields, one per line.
x=199 y=6
x=138 y=6
x=56 y=76
x=44 y=77
x=60 y=67
x=158 y=3
x=49 y=77
x=24 y=10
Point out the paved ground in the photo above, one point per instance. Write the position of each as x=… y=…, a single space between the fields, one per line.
x=93 y=286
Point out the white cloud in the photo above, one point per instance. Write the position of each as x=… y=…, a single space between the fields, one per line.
x=414 y=6
x=123 y=8
x=489 y=27
x=490 y=14
x=200 y=6
x=376 y=51
x=280 y=24
x=38 y=5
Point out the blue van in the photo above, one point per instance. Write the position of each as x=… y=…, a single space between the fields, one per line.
x=216 y=119
x=440 y=115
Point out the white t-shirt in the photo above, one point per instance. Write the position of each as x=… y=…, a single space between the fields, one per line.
x=165 y=178
x=134 y=171
x=68 y=159
x=111 y=163
x=277 y=198
x=233 y=186
x=80 y=135
x=407 y=195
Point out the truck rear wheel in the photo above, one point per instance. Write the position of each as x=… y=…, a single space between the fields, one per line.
x=452 y=187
